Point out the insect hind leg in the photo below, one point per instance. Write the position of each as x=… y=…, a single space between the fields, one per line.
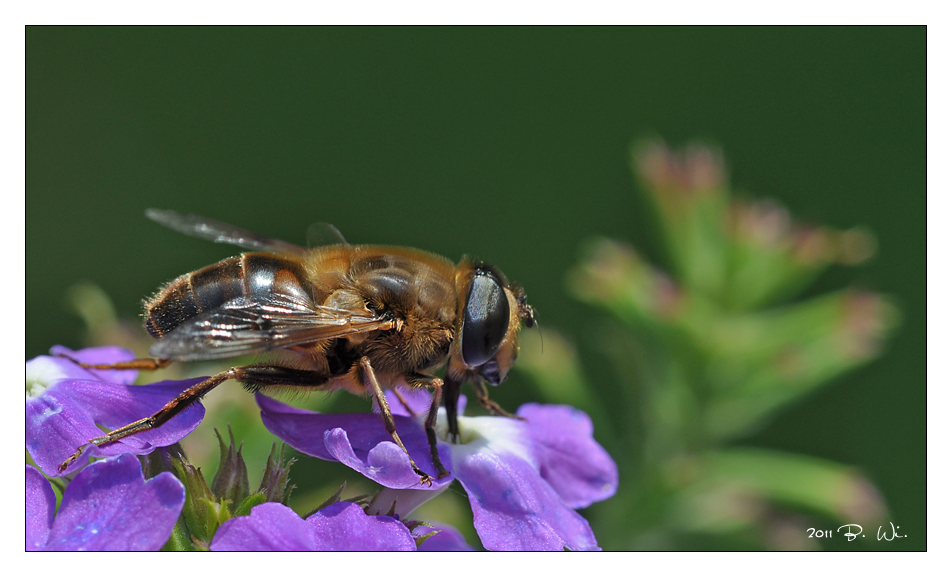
x=182 y=401
x=147 y=364
x=255 y=378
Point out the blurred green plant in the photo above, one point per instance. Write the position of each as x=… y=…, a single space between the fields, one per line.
x=708 y=355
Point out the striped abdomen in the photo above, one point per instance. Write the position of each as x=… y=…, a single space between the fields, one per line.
x=251 y=274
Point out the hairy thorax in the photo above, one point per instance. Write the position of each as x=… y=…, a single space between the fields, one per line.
x=416 y=289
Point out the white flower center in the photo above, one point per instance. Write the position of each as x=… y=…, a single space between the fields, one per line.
x=41 y=374
x=497 y=435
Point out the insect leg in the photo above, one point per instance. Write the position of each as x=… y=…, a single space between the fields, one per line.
x=418 y=380
x=482 y=395
x=149 y=364
x=451 y=401
x=172 y=408
x=371 y=382
x=260 y=377
x=254 y=377
x=403 y=402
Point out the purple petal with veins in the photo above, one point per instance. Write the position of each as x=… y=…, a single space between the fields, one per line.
x=269 y=527
x=345 y=527
x=40 y=507
x=514 y=509
x=110 y=506
x=66 y=415
x=577 y=467
x=339 y=527
x=360 y=441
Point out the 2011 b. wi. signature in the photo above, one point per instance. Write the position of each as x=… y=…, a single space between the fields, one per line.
x=853 y=530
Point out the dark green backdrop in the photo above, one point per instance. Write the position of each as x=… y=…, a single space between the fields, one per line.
x=510 y=144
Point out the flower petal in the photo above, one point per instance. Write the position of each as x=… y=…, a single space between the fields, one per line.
x=577 y=467
x=40 y=507
x=339 y=527
x=110 y=506
x=513 y=508
x=345 y=527
x=66 y=416
x=359 y=441
x=269 y=527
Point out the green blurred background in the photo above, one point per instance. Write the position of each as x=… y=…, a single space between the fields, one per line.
x=510 y=144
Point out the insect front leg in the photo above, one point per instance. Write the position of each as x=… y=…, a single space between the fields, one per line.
x=451 y=389
x=369 y=378
x=436 y=383
x=482 y=395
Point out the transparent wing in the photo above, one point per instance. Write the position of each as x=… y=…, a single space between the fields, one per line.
x=324 y=234
x=245 y=326
x=216 y=231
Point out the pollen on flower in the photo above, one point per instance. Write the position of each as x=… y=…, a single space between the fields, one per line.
x=34 y=388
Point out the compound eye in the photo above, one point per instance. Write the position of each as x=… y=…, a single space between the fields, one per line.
x=485 y=319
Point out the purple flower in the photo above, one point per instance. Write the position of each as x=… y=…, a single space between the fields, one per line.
x=65 y=404
x=339 y=527
x=109 y=506
x=524 y=478
x=355 y=440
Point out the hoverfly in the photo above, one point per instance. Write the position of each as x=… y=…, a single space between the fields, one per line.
x=355 y=317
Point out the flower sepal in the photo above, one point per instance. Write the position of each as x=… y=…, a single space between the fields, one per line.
x=274 y=484
x=231 y=480
x=250 y=502
x=203 y=512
